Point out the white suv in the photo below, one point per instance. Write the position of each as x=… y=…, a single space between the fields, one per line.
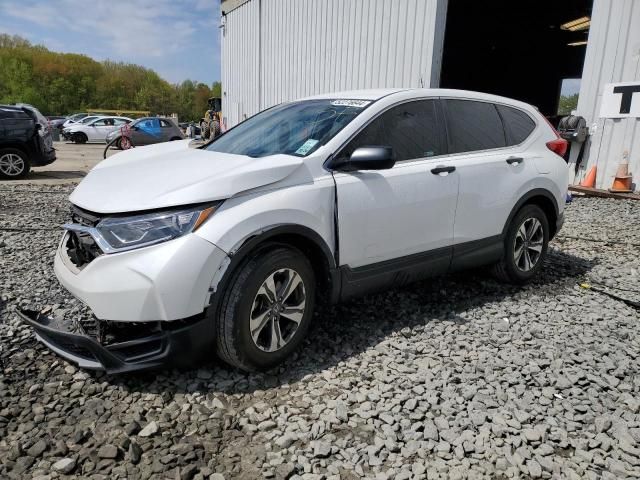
x=181 y=252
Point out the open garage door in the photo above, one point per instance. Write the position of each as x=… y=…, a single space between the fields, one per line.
x=529 y=51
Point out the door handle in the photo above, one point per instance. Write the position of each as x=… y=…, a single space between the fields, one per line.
x=516 y=160
x=442 y=169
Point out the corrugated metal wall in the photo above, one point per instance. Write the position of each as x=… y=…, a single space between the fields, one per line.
x=613 y=55
x=317 y=46
x=240 y=62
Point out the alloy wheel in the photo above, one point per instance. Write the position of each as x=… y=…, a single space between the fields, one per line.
x=11 y=164
x=277 y=310
x=529 y=241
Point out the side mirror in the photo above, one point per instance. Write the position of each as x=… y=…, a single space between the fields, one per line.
x=368 y=158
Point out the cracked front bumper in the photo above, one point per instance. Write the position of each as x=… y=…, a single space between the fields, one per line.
x=174 y=344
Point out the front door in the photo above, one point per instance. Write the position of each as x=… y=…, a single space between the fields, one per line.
x=402 y=216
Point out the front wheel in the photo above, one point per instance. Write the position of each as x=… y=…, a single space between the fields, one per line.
x=80 y=138
x=525 y=246
x=266 y=309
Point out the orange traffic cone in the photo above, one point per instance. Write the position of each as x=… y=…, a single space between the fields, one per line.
x=622 y=181
x=590 y=179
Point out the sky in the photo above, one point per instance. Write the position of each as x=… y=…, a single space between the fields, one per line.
x=570 y=86
x=179 y=39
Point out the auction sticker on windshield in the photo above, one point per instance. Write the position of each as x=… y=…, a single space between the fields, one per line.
x=350 y=103
x=306 y=146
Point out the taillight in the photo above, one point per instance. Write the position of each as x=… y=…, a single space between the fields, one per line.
x=559 y=145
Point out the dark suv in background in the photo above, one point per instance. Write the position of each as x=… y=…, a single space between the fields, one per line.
x=25 y=141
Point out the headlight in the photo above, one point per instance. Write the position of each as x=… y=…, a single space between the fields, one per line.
x=117 y=234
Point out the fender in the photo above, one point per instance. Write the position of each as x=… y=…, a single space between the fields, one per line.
x=536 y=192
x=251 y=244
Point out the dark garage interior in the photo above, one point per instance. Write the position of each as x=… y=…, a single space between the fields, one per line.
x=515 y=49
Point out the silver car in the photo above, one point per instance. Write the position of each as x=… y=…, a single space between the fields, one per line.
x=146 y=131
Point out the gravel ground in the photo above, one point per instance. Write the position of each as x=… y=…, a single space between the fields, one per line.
x=459 y=377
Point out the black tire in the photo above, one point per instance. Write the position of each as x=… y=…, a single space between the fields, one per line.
x=79 y=138
x=204 y=130
x=119 y=143
x=12 y=168
x=510 y=268
x=234 y=342
x=214 y=129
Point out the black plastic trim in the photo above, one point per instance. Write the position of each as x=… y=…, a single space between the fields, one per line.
x=181 y=346
x=393 y=273
x=477 y=253
x=536 y=192
x=263 y=236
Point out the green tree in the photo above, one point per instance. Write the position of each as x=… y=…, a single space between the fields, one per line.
x=567 y=104
x=63 y=83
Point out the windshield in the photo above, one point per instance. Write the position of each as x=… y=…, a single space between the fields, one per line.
x=297 y=128
x=86 y=120
x=77 y=116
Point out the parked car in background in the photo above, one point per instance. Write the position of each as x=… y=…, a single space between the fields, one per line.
x=230 y=245
x=75 y=118
x=146 y=131
x=95 y=129
x=56 y=122
x=24 y=141
x=66 y=130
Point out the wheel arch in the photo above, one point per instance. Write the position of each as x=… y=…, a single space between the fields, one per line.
x=16 y=146
x=542 y=198
x=300 y=237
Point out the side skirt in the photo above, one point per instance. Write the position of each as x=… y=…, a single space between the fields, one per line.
x=477 y=253
x=393 y=273
x=404 y=270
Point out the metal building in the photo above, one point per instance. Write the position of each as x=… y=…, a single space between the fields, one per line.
x=279 y=50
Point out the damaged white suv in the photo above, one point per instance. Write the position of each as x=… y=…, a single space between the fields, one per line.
x=227 y=248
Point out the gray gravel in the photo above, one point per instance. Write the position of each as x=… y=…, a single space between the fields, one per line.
x=459 y=377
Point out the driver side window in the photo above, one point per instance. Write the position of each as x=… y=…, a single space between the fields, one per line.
x=411 y=129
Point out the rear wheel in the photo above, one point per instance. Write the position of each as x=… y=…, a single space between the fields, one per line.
x=525 y=246
x=266 y=310
x=14 y=164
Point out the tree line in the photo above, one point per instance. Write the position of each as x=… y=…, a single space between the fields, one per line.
x=64 y=83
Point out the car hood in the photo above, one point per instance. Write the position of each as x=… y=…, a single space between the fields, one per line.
x=171 y=174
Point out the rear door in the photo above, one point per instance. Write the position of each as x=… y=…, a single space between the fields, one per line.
x=492 y=163
x=166 y=130
x=390 y=215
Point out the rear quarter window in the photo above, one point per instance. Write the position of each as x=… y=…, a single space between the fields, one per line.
x=473 y=126
x=518 y=125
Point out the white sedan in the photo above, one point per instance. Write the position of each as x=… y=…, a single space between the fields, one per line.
x=95 y=130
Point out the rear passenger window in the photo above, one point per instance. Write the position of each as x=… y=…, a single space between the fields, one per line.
x=411 y=129
x=473 y=126
x=517 y=124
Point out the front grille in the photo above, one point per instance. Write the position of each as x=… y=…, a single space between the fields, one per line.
x=81 y=247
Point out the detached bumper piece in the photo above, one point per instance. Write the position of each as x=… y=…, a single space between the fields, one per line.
x=119 y=347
